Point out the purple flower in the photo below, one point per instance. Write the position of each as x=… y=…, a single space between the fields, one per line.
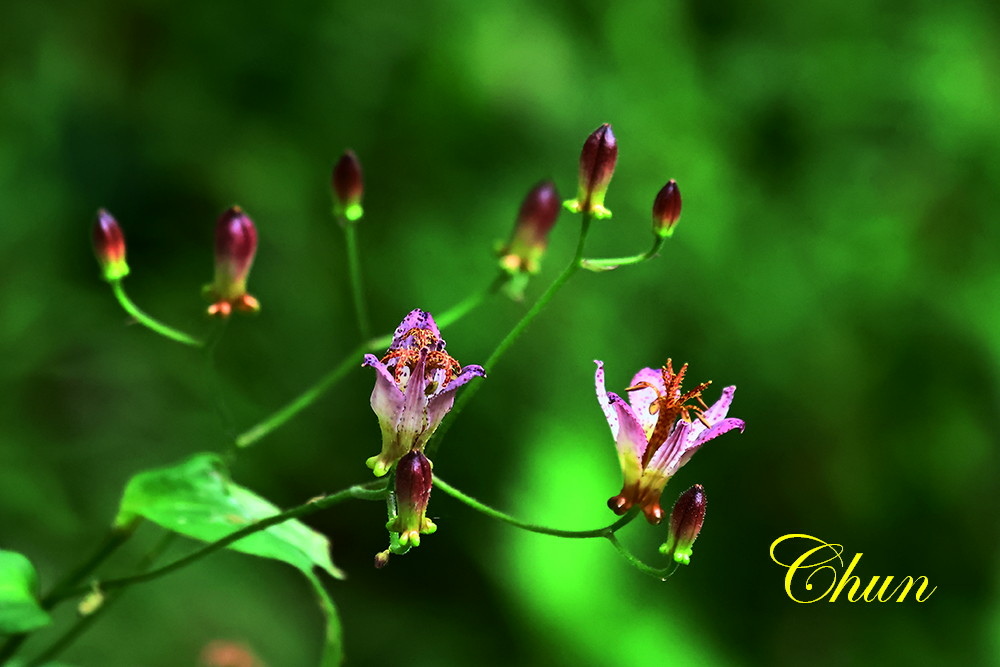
x=657 y=432
x=415 y=388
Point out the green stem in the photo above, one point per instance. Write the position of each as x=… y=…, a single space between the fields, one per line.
x=114 y=539
x=354 y=270
x=307 y=398
x=508 y=340
x=615 y=262
x=83 y=623
x=370 y=491
x=312 y=394
x=147 y=321
x=661 y=573
x=606 y=531
x=466 y=305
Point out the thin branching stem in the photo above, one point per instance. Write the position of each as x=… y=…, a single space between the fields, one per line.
x=354 y=272
x=614 y=262
x=150 y=322
x=534 y=528
x=352 y=360
x=84 y=622
x=371 y=491
x=508 y=340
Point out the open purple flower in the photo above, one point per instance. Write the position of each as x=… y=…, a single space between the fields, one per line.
x=415 y=388
x=658 y=431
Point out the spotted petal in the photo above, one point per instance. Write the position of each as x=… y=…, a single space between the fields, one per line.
x=631 y=440
x=641 y=399
x=602 y=398
x=413 y=422
x=416 y=319
x=440 y=403
x=715 y=431
x=387 y=403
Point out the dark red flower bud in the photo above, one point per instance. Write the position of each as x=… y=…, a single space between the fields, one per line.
x=413 y=491
x=109 y=246
x=348 y=186
x=667 y=209
x=381 y=559
x=597 y=166
x=235 y=247
x=686 y=520
x=537 y=216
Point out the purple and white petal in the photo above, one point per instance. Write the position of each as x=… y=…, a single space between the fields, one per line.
x=602 y=398
x=413 y=421
x=695 y=444
x=666 y=460
x=641 y=399
x=631 y=439
x=440 y=403
x=387 y=399
x=416 y=319
x=720 y=408
x=467 y=373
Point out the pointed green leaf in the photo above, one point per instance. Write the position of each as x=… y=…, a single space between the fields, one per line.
x=196 y=498
x=19 y=608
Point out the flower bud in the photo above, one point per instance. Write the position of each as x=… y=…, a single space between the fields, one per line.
x=235 y=247
x=348 y=187
x=667 y=209
x=381 y=559
x=685 y=523
x=109 y=246
x=413 y=491
x=597 y=165
x=536 y=218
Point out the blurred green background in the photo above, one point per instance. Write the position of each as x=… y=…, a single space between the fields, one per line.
x=836 y=260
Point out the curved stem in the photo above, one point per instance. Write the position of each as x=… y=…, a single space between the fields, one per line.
x=354 y=271
x=371 y=491
x=304 y=400
x=149 y=322
x=116 y=537
x=514 y=333
x=615 y=262
x=310 y=395
x=662 y=574
x=606 y=531
x=466 y=305
x=84 y=622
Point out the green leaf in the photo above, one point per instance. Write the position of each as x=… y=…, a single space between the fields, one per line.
x=19 y=608
x=196 y=498
x=333 y=647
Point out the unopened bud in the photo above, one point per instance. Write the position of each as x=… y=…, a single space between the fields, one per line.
x=381 y=559
x=413 y=491
x=667 y=209
x=536 y=218
x=235 y=247
x=685 y=523
x=597 y=166
x=348 y=187
x=109 y=246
